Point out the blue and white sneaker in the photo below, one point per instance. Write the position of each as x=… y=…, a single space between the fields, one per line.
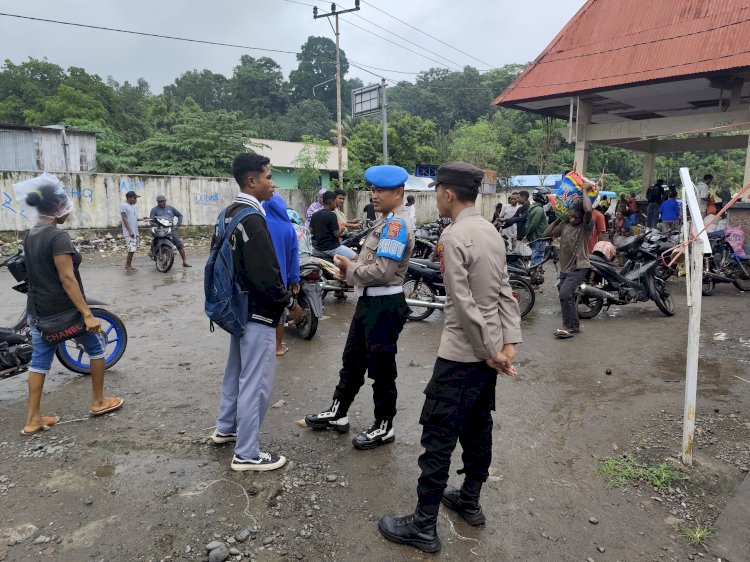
x=218 y=437
x=266 y=461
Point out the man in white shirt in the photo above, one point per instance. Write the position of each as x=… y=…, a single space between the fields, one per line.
x=509 y=210
x=412 y=208
x=703 y=192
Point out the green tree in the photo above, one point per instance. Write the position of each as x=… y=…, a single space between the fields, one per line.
x=200 y=144
x=313 y=155
x=26 y=86
x=67 y=104
x=480 y=144
x=314 y=77
x=257 y=87
x=411 y=140
x=208 y=89
x=308 y=118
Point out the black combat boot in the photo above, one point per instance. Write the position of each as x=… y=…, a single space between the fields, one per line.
x=465 y=501
x=418 y=529
x=379 y=434
x=334 y=418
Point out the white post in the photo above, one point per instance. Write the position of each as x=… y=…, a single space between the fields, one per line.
x=685 y=238
x=693 y=347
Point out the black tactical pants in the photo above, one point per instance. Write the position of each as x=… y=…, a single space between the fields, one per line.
x=458 y=406
x=371 y=347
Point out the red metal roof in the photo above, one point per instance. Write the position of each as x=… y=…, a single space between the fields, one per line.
x=614 y=43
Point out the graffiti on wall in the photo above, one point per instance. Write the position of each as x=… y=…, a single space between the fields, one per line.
x=9 y=205
x=206 y=198
x=131 y=185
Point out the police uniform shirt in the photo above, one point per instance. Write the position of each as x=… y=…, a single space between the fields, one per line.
x=481 y=314
x=385 y=253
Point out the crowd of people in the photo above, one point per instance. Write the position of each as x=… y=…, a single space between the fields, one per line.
x=480 y=332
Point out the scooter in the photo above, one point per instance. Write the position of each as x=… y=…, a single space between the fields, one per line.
x=15 y=341
x=310 y=298
x=162 y=246
x=424 y=282
x=606 y=284
x=329 y=269
x=724 y=265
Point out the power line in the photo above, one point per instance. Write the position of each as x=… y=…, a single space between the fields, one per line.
x=408 y=41
x=427 y=34
x=143 y=33
x=442 y=64
x=300 y=3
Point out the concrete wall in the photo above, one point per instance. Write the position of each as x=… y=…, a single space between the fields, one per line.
x=98 y=197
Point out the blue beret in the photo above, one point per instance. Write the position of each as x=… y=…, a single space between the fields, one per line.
x=386 y=177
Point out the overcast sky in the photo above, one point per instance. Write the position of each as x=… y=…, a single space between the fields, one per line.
x=497 y=32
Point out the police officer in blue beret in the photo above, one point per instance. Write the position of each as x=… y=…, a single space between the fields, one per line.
x=377 y=275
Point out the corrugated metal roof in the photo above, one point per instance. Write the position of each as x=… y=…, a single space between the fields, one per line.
x=612 y=43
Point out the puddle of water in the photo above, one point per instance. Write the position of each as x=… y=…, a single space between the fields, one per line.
x=105 y=470
x=720 y=336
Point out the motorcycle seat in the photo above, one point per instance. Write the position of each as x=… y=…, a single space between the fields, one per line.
x=319 y=254
x=716 y=234
x=426 y=263
x=10 y=337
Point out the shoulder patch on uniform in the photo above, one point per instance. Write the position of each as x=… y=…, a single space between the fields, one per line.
x=393 y=239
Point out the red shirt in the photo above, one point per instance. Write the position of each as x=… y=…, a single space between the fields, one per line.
x=600 y=225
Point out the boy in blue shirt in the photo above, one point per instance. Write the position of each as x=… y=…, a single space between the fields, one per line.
x=669 y=213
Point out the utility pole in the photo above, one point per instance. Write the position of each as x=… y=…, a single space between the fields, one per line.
x=385 y=122
x=339 y=133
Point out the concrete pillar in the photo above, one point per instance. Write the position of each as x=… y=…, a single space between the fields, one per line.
x=582 y=143
x=649 y=161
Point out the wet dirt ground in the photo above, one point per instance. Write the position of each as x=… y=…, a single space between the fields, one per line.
x=144 y=483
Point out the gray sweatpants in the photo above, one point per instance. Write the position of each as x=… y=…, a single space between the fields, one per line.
x=247 y=386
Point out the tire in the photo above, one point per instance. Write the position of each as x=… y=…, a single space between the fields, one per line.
x=309 y=324
x=588 y=307
x=740 y=274
x=663 y=298
x=707 y=288
x=164 y=258
x=72 y=356
x=419 y=290
x=524 y=294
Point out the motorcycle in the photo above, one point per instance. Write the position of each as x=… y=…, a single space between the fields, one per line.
x=329 y=269
x=606 y=284
x=310 y=298
x=162 y=246
x=15 y=341
x=724 y=265
x=424 y=282
x=535 y=273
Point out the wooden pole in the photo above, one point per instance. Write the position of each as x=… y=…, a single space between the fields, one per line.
x=693 y=347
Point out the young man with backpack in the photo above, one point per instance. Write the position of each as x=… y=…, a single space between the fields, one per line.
x=255 y=283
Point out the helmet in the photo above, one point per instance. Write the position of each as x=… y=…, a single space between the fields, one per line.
x=294 y=216
x=540 y=195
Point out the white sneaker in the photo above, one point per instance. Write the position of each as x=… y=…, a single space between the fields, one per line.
x=266 y=461
x=219 y=438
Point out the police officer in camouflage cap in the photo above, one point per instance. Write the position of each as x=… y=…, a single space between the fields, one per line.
x=377 y=275
x=482 y=326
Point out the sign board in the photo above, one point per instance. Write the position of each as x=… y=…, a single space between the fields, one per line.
x=367 y=101
x=691 y=194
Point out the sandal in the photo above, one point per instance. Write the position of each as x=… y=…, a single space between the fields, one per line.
x=284 y=349
x=563 y=334
x=114 y=404
x=47 y=422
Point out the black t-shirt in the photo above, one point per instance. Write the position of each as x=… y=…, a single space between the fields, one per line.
x=42 y=244
x=370 y=211
x=323 y=224
x=654 y=194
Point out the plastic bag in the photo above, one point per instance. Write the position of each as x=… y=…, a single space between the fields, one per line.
x=736 y=238
x=24 y=188
x=523 y=249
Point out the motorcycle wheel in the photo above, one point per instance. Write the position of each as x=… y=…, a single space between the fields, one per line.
x=740 y=276
x=662 y=298
x=524 y=294
x=309 y=323
x=72 y=355
x=164 y=258
x=707 y=288
x=588 y=307
x=419 y=290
